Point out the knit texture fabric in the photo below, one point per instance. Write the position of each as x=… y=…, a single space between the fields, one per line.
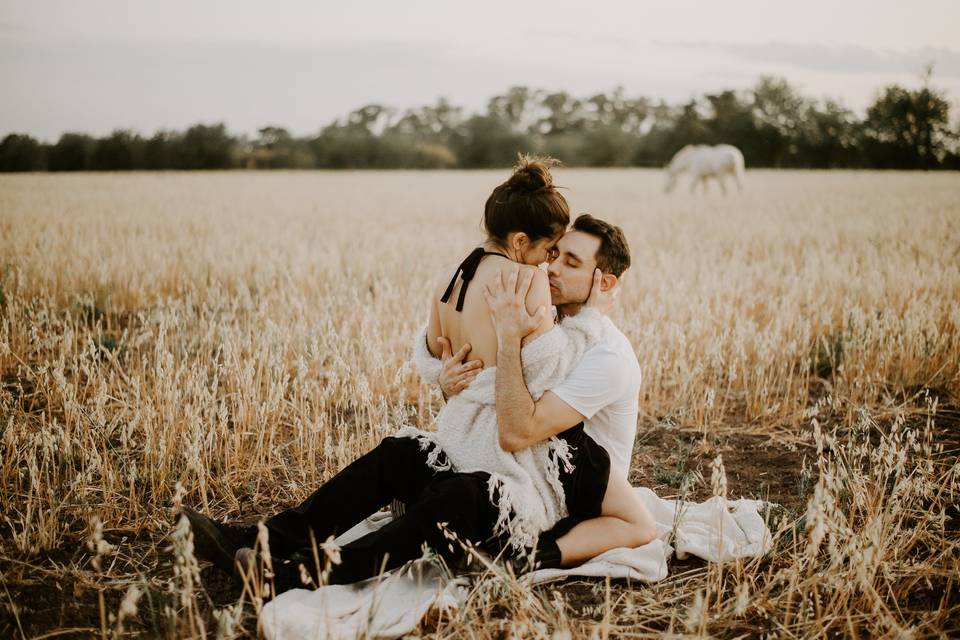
x=524 y=485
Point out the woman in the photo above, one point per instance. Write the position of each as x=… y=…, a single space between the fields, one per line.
x=524 y=218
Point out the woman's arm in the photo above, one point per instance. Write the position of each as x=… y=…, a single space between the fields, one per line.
x=426 y=349
x=433 y=328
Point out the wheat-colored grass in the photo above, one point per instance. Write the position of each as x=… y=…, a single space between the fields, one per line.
x=245 y=335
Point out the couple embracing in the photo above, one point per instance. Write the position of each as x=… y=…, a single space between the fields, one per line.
x=531 y=452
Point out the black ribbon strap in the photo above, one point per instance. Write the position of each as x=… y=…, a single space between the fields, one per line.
x=466 y=270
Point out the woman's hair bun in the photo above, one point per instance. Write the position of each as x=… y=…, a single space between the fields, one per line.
x=532 y=173
x=527 y=202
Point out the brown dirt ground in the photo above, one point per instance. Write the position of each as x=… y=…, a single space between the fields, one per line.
x=57 y=594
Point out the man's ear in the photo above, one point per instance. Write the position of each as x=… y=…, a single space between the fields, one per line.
x=608 y=281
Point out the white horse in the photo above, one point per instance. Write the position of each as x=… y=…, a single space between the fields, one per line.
x=704 y=161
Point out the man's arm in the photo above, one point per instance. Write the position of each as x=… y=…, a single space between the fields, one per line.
x=521 y=421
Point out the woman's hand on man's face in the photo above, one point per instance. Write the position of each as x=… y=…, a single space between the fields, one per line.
x=456 y=375
x=599 y=299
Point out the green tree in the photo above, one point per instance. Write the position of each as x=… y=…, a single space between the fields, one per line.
x=518 y=109
x=356 y=142
x=275 y=148
x=771 y=122
x=608 y=129
x=829 y=137
x=434 y=122
x=731 y=121
x=908 y=129
x=20 y=152
x=160 y=151
x=680 y=127
x=122 y=150
x=616 y=111
x=72 y=152
x=779 y=111
x=205 y=147
x=605 y=146
x=424 y=138
x=562 y=114
x=489 y=141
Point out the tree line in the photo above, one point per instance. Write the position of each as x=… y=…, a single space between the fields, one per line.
x=771 y=122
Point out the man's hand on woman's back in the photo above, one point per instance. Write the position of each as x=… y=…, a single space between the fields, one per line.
x=456 y=375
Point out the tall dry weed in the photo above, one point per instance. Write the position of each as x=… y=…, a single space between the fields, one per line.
x=246 y=335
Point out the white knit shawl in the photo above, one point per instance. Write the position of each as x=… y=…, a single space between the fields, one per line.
x=525 y=485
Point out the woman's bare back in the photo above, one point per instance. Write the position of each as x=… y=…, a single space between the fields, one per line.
x=473 y=324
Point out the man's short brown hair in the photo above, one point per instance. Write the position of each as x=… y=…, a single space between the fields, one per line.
x=613 y=256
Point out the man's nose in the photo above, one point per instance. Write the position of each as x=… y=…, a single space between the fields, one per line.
x=553 y=268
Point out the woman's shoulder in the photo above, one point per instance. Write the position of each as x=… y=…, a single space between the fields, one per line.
x=538 y=295
x=540 y=279
x=508 y=265
x=541 y=282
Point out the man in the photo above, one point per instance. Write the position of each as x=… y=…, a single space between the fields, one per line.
x=598 y=398
x=602 y=393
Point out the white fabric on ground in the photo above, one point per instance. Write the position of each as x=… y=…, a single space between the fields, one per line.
x=716 y=530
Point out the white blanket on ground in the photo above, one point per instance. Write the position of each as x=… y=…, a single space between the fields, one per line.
x=716 y=530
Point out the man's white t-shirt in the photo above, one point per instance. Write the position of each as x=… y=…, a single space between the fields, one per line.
x=604 y=387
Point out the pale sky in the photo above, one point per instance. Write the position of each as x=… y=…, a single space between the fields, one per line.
x=98 y=65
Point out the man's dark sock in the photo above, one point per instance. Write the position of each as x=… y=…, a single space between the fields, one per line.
x=547 y=553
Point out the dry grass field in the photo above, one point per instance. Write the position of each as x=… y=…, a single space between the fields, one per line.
x=230 y=340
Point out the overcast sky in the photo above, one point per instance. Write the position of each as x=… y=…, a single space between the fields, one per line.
x=97 y=65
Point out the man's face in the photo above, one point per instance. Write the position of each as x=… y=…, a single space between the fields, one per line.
x=572 y=266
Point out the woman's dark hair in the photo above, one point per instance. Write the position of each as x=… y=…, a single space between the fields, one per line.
x=527 y=202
